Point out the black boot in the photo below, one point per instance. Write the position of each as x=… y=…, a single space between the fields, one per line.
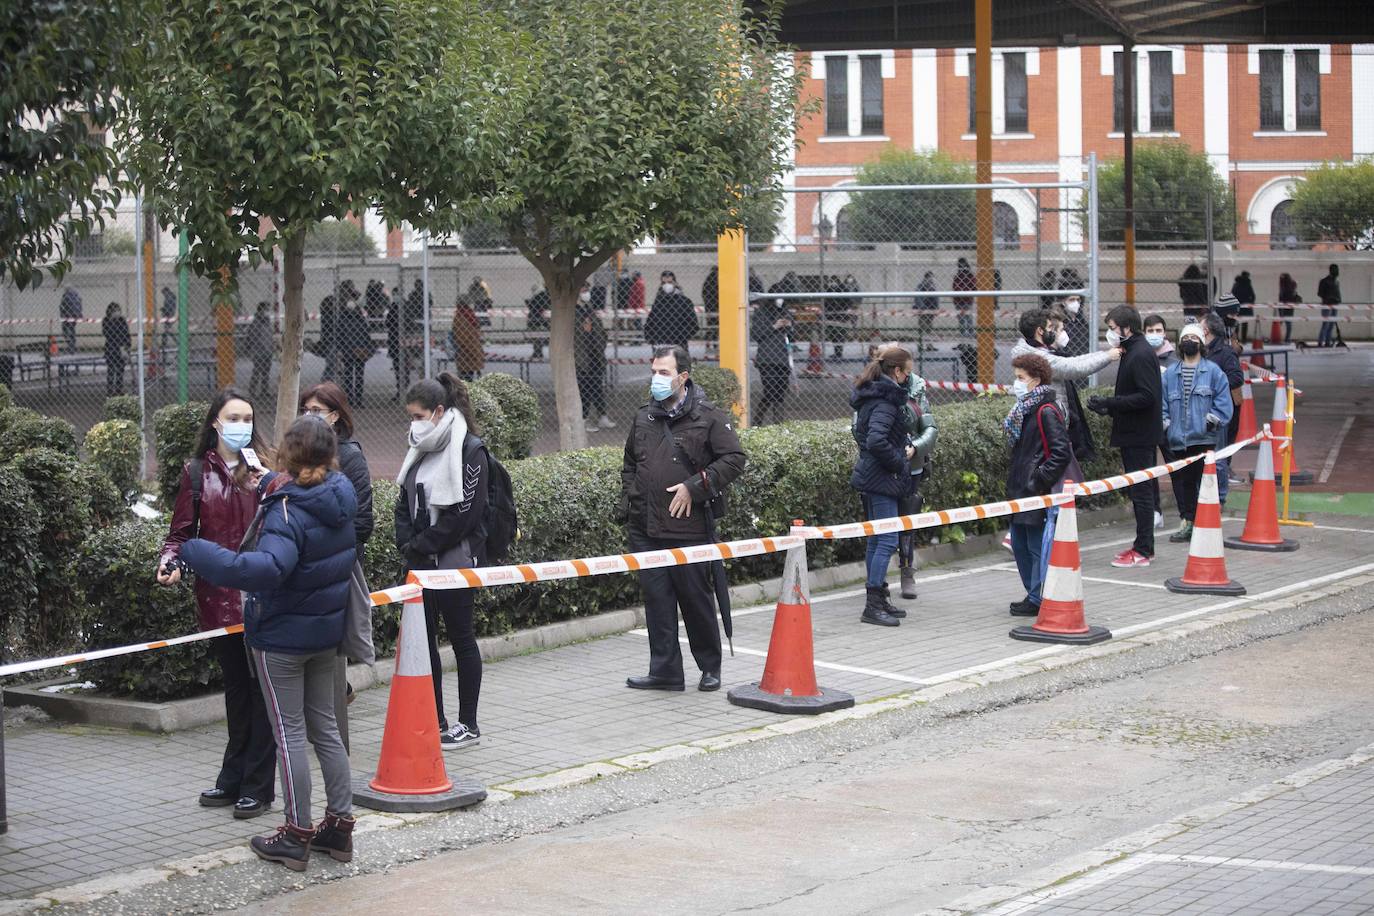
x=875 y=610
x=335 y=837
x=289 y=845
x=892 y=609
x=908 y=583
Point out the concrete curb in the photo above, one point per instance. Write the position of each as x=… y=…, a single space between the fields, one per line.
x=193 y=712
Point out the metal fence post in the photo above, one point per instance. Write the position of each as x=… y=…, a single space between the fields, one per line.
x=424 y=283
x=140 y=364
x=1094 y=254
x=1211 y=250
x=4 y=812
x=183 y=318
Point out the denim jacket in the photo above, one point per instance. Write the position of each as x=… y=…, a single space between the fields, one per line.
x=1186 y=424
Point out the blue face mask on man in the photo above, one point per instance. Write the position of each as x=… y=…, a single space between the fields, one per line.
x=661 y=387
x=236 y=436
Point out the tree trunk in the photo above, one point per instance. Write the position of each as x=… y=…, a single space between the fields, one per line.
x=292 y=334
x=572 y=434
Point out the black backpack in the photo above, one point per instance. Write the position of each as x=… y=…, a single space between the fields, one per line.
x=500 y=520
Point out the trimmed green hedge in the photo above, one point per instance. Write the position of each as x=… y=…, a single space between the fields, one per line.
x=18 y=562
x=115 y=446
x=123 y=407
x=721 y=385
x=22 y=429
x=519 y=409
x=175 y=428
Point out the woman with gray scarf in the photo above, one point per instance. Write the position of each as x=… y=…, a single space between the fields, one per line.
x=439 y=525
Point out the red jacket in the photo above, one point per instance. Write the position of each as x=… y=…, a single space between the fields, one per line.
x=226 y=510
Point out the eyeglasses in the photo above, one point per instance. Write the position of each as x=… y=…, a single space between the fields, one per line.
x=320 y=412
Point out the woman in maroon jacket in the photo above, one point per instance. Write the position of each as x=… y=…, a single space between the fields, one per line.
x=220 y=509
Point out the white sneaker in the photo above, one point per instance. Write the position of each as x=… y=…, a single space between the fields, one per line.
x=1006 y=540
x=1159 y=519
x=606 y=422
x=592 y=428
x=458 y=737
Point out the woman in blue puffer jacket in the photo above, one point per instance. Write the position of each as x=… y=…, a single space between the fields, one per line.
x=882 y=474
x=298 y=578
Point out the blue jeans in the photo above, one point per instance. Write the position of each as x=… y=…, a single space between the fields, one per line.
x=881 y=547
x=1223 y=466
x=1027 y=546
x=1325 y=334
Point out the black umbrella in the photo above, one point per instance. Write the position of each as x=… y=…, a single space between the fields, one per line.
x=722 y=586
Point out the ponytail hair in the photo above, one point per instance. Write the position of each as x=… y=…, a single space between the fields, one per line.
x=888 y=361
x=447 y=391
x=308 y=451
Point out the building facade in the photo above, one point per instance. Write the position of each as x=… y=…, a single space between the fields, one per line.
x=1263 y=114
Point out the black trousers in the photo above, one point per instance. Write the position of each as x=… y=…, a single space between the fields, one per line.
x=775 y=380
x=690 y=589
x=591 y=388
x=250 y=757
x=1168 y=456
x=1138 y=458
x=1187 y=481
x=906 y=540
x=114 y=374
x=352 y=382
x=455 y=606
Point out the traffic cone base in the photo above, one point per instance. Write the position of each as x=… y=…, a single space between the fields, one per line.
x=1061 y=618
x=1262 y=516
x=1206 y=573
x=789 y=674
x=410 y=769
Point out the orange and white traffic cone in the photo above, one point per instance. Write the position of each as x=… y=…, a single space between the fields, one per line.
x=410 y=771
x=1061 y=617
x=813 y=358
x=1262 y=517
x=1258 y=358
x=1248 y=425
x=1279 y=424
x=1206 y=573
x=789 y=674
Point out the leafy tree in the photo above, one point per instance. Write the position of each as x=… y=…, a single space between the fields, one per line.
x=255 y=121
x=912 y=216
x=650 y=116
x=1335 y=203
x=1171 y=186
x=340 y=237
x=60 y=64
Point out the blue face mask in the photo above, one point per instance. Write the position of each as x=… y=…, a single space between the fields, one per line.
x=236 y=436
x=661 y=387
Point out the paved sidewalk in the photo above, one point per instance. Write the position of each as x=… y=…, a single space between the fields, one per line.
x=86 y=802
x=1306 y=851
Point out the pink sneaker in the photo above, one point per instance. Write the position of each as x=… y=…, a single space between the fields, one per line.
x=1006 y=540
x=1128 y=559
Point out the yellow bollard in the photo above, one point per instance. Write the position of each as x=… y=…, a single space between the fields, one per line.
x=1288 y=467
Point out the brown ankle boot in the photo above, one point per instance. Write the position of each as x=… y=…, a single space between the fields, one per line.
x=335 y=837
x=290 y=846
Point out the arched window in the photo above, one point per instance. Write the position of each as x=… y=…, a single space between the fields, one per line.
x=1284 y=231
x=1006 y=226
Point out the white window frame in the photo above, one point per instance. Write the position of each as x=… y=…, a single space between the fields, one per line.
x=1290 y=83
x=854 y=97
x=1142 y=84
x=999 y=85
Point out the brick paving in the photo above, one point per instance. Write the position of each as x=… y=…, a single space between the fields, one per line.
x=85 y=802
x=1306 y=851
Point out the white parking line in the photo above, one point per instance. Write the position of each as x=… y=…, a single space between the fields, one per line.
x=1111 y=581
x=1351 y=530
x=832 y=666
x=1335 y=450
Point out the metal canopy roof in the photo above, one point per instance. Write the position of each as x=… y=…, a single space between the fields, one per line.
x=818 y=25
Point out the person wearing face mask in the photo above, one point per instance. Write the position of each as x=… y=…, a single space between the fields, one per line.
x=680 y=456
x=771 y=328
x=1218 y=348
x=882 y=475
x=1041 y=459
x=1042 y=335
x=216 y=502
x=1076 y=325
x=672 y=318
x=440 y=524
x=1135 y=409
x=589 y=353
x=1197 y=407
x=355 y=347
x=1156 y=335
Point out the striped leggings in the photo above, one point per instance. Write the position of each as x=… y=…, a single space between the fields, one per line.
x=299 y=693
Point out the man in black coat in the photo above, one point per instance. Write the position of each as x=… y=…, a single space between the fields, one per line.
x=672 y=318
x=682 y=452
x=1221 y=351
x=1137 y=422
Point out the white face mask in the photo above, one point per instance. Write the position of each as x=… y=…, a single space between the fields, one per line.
x=1071 y=306
x=668 y=287
x=1113 y=338
x=584 y=296
x=1061 y=340
x=1020 y=388
x=419 y=429
x=1155 y=340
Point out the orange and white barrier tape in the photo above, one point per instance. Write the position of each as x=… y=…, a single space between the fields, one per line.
x=64 y=660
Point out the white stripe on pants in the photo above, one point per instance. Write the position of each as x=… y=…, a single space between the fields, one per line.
x=299 y=693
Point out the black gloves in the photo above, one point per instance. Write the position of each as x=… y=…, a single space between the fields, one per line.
x=1098 y=404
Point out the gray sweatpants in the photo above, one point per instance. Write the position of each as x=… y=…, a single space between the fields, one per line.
x=299 y=693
